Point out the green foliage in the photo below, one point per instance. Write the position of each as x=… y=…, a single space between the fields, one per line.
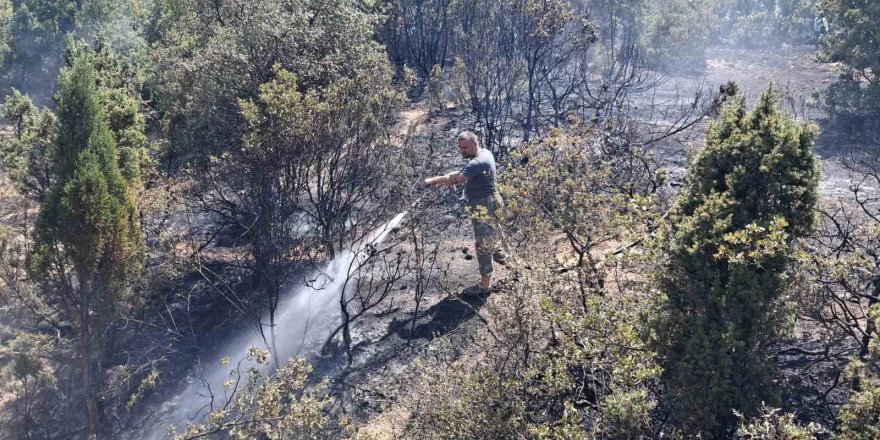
x=759 y=23
x=473 y=404
x=601 y=357
x=34 y=38
x=113 y=68
x=6 y=13
x=556 y=364
x=27 y=372
x=275 y=407
x=19 y=110
x=127 y=124
x=211 y=57
x=31 y=351
x=147 y=384
x=566 y=352
x=28 y=358
x=772 y=424
x=628 y=413
x=680 y=32
x=851 y=98
x=567 y=187
x=25 y=155
x=860 y=416
x=87 y=238
x=619 y=22
x=119 y=83
x=318 y=156
x=89 y=219
x=749 y=195
x=434 y=89
x=855 y=30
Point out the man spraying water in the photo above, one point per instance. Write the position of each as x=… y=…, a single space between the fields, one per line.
x=483 y=201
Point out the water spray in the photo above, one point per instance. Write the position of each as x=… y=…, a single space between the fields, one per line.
x=304 y=318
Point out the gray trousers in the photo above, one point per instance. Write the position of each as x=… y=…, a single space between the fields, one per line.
x=484 y=214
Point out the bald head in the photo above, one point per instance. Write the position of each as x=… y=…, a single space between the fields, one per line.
x=468 y=145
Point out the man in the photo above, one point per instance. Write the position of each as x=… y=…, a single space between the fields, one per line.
x=820 y=27
x=484 y=202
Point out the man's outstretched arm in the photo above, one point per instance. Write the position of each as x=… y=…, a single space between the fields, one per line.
x=447 y=180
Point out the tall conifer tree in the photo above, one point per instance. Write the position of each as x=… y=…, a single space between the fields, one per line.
x=87 y=239
x=749 y=194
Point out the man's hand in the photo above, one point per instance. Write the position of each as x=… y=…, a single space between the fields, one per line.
x=432 y=180
x=449 y=179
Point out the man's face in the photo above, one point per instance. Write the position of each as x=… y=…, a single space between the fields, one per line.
x=467 y=149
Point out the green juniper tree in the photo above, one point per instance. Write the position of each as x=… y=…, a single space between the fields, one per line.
x=855 y=30
x=87 y=238
x=749 y=194
x=33 y=33
x=24 y=155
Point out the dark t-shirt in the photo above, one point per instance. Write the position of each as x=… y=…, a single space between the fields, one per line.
x=480 y=172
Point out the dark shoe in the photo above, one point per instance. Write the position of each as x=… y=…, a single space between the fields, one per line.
x=499 y=258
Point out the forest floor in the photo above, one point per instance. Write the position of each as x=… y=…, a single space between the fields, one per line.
x=801 y=79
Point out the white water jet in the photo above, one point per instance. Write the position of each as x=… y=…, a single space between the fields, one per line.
x=302 y=320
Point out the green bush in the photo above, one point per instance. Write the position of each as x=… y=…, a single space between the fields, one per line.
x=855 y=31
x=773 y=424
x=860 y=416
x=680 y=32
x=759 y=23
x=748 y=196
x=850 y=100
